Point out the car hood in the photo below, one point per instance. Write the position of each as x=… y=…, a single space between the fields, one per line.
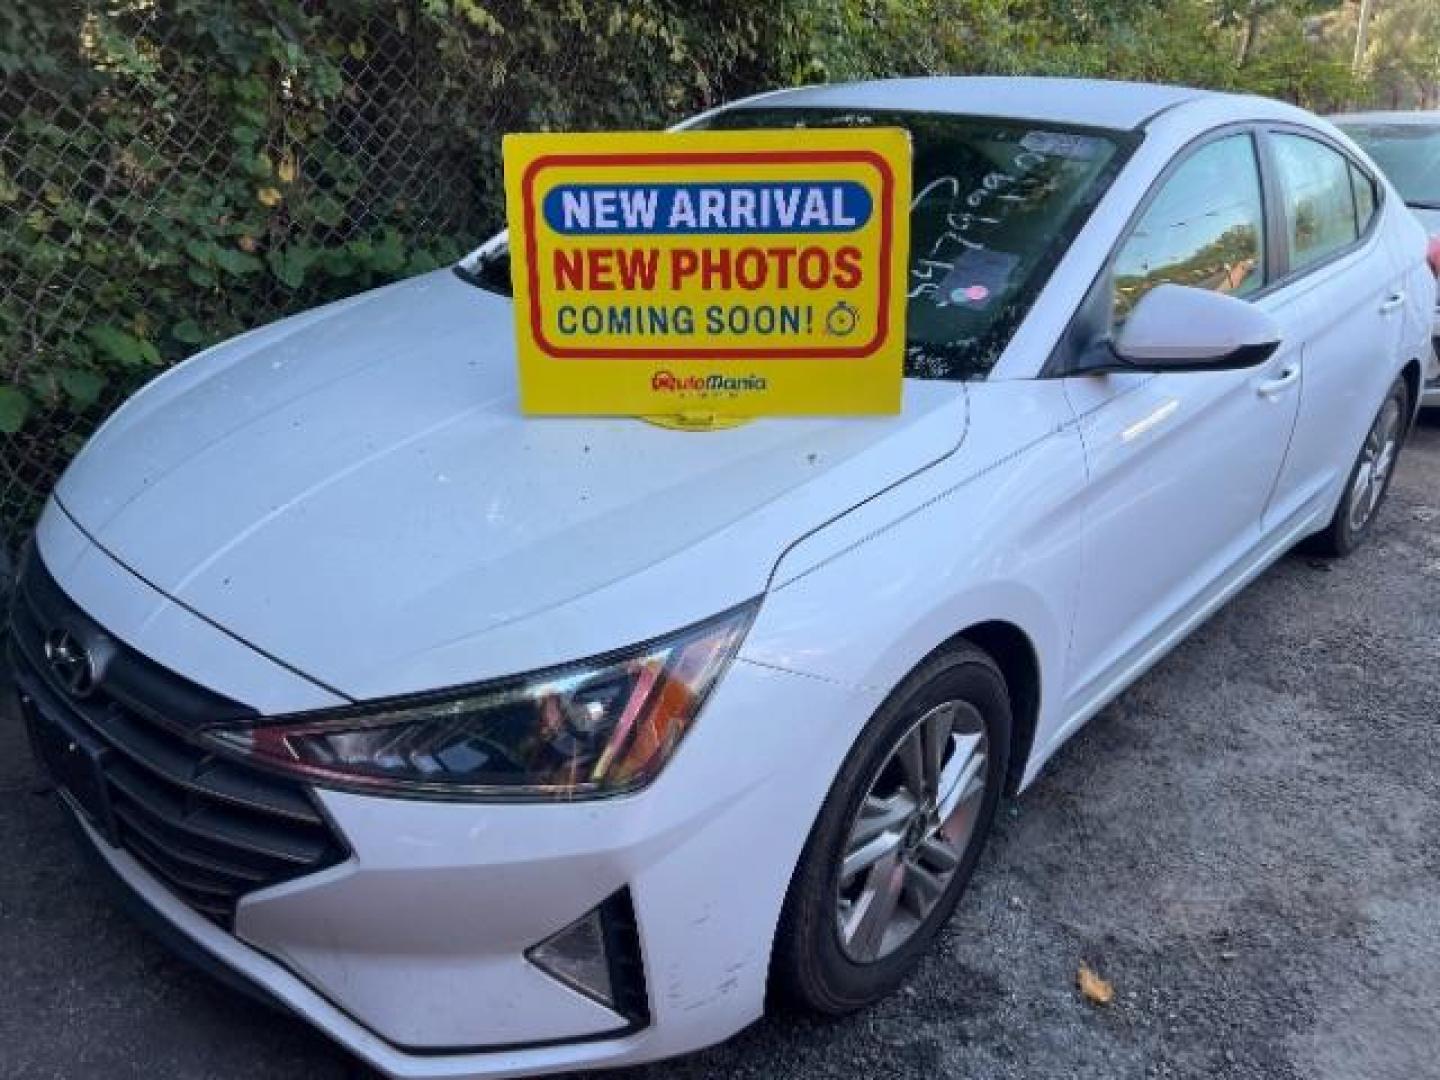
x=354 y=492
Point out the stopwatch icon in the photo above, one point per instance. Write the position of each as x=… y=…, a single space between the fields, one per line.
x=842 y=319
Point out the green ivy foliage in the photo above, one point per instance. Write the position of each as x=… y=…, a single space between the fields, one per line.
x=170 y=176
x=177 y=171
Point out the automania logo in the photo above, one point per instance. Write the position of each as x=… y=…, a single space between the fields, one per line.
x=670 y=383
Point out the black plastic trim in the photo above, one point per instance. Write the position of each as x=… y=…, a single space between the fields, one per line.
x=209 y=829
x=1237 y=359
x=620 y=934
x=626 y=958
x=135 y=905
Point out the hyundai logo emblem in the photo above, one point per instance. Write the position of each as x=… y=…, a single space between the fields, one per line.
x=71 y=662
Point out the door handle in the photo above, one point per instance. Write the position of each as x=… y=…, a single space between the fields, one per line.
x=1395 y=302
x=1288 y=377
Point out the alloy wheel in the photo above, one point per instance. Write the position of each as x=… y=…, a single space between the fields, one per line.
x=911 y=831
x=1377 y=459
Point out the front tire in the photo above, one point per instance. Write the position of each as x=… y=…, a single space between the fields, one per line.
x=897 y=837
x=1369 y=479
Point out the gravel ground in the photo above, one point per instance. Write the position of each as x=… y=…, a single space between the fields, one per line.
x=1246 y=844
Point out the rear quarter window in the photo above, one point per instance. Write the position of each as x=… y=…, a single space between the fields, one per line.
x=1365 y=199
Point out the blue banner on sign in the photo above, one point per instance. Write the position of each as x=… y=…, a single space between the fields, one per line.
x=669 y=209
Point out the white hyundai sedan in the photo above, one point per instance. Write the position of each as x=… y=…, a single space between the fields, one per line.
x=495 y=746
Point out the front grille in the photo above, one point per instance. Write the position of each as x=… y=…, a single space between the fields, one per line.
x=209 y=828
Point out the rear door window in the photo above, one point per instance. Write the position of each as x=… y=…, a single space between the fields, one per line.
x=1318 y=196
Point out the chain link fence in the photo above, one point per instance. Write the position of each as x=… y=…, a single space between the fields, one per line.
x=147 y=207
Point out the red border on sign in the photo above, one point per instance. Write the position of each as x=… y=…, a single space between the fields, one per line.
x=774 y=157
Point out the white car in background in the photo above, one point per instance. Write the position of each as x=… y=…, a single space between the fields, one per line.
x=1406 y=146
x=496 y=746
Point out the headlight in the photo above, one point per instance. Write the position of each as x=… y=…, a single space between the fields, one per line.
x=599 y=727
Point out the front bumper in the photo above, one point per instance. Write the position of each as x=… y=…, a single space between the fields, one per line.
x=249 y=971
x=411 y=951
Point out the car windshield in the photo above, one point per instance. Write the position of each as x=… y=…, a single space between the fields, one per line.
x=994 y=205
x=1409 y=154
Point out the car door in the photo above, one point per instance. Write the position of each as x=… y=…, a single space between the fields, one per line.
x=1343 y=294
x=1180 y=465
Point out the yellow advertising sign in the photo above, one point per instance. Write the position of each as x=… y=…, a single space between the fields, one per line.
x=709 y=274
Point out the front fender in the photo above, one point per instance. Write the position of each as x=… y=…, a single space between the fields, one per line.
x=994 y=533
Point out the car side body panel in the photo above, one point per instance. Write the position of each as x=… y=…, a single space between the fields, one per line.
x=1185 y=415
x=993 y=535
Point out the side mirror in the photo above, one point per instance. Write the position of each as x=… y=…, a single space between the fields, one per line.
x=1179 y=328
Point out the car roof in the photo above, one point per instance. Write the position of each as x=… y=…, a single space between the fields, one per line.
x=1087 y=102
x=1419 y=119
